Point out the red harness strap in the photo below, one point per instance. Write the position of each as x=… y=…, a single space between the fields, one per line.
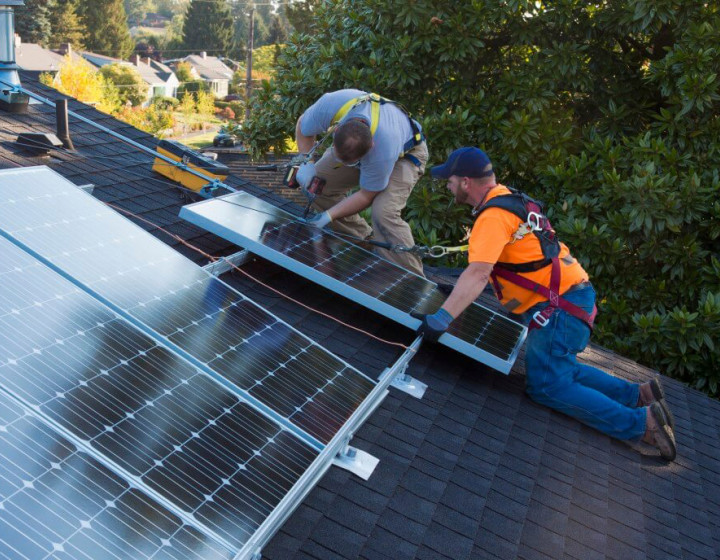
x=541 y=318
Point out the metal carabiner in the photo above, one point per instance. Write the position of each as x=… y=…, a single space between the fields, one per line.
x=533 y=220
x=436 y=251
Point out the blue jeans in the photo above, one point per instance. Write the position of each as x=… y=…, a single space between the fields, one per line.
x=556 y=379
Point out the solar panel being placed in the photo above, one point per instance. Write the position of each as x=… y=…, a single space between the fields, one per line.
x=181 y=436
x=355 y=273
x=279 y=371
x=58 y=502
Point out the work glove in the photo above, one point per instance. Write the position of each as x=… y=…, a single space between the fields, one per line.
x=299 y=159
x=305 y=174
x=319 y=220
x=433 y=326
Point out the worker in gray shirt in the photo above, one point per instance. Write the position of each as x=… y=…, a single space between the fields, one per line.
x=376 y=146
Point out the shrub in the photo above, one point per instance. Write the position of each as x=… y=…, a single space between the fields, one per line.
x=607 y=111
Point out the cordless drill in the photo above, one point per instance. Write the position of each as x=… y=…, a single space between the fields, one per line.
x=311 y=192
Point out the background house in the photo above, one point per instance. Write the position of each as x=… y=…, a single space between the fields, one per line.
x=35 y=60
x=212 y=71
x=159 y=77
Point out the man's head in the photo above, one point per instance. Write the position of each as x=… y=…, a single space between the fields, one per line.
x=352 y=140
x=469 y=174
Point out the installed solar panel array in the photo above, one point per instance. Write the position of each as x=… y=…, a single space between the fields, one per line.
x=58 y=501
x=120 y=409
x=356 y=273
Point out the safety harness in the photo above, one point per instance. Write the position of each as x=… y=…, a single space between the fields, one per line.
x=536 y=222
x=376 y=101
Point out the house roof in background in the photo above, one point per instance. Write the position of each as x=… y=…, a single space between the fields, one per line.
x=473 y=470
x=34 y=58
x=151 y=71
x=209 y=67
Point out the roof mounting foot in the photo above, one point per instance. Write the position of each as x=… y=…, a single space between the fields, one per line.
x=357 y=461
x=407 y=384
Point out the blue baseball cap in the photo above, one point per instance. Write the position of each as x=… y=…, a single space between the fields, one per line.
x=464 y=162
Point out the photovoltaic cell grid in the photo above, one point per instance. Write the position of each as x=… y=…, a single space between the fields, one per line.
x=167 y=425
x=356 y=273
x=58 y=502
x=229 y=334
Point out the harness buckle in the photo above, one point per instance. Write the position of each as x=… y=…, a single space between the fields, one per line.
x=540 y=319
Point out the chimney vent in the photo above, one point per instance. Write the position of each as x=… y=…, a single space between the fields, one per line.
x=203 y=55
x=63 y=129
x=12 y=101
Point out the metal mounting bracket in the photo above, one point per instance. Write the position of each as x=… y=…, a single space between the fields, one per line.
x=357 y=461
x=408 y=384
x=400 y=379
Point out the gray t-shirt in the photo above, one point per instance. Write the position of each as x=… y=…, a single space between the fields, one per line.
x=393 y=131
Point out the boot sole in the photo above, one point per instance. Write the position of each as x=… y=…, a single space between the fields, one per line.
x=669 y=439
x=659 y=394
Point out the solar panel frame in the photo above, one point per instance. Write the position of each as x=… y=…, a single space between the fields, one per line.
x=305 y=482
x=124 y=301
x=86 y=393
x=62 y=496
x=221 y=216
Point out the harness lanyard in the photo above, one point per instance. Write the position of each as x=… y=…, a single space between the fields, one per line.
x=435 y=252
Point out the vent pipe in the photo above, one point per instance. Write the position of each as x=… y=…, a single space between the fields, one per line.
x=63 y=128
x=12 y=101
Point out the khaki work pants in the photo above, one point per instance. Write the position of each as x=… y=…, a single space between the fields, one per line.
x=386 y=209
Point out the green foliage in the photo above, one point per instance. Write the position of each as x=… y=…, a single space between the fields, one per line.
x=607 y=111
x=79 y=79
x=164 y=103
x=184 y=72
x=66 y=24
x=204 y=104
x=131 y=87
x=107 y=28
x=33 y=21
x=264 y=60
x=237 y=107
x=153 y=119
x=208 y=26
x=189 y=83
x=301 y=14
x=435 y=219
x=136 y=10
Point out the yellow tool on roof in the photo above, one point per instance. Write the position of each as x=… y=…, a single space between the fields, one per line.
x=192 y=160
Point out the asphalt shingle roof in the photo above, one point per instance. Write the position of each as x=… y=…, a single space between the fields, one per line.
x=474 y=470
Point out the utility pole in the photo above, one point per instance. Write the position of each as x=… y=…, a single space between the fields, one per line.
x=248 y=76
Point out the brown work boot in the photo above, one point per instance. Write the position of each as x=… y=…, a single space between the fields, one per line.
x=659 y=433
x=651 y=392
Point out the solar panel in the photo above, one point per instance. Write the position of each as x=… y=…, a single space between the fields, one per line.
x=56 y=501
x=355 y=273
x=160 y=421
x=278 y=370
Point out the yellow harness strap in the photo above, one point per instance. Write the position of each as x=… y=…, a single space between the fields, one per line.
x=375 y=102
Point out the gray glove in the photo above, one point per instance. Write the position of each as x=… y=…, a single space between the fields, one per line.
x=305 y=174
x=433 y=326
x=319 y=220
